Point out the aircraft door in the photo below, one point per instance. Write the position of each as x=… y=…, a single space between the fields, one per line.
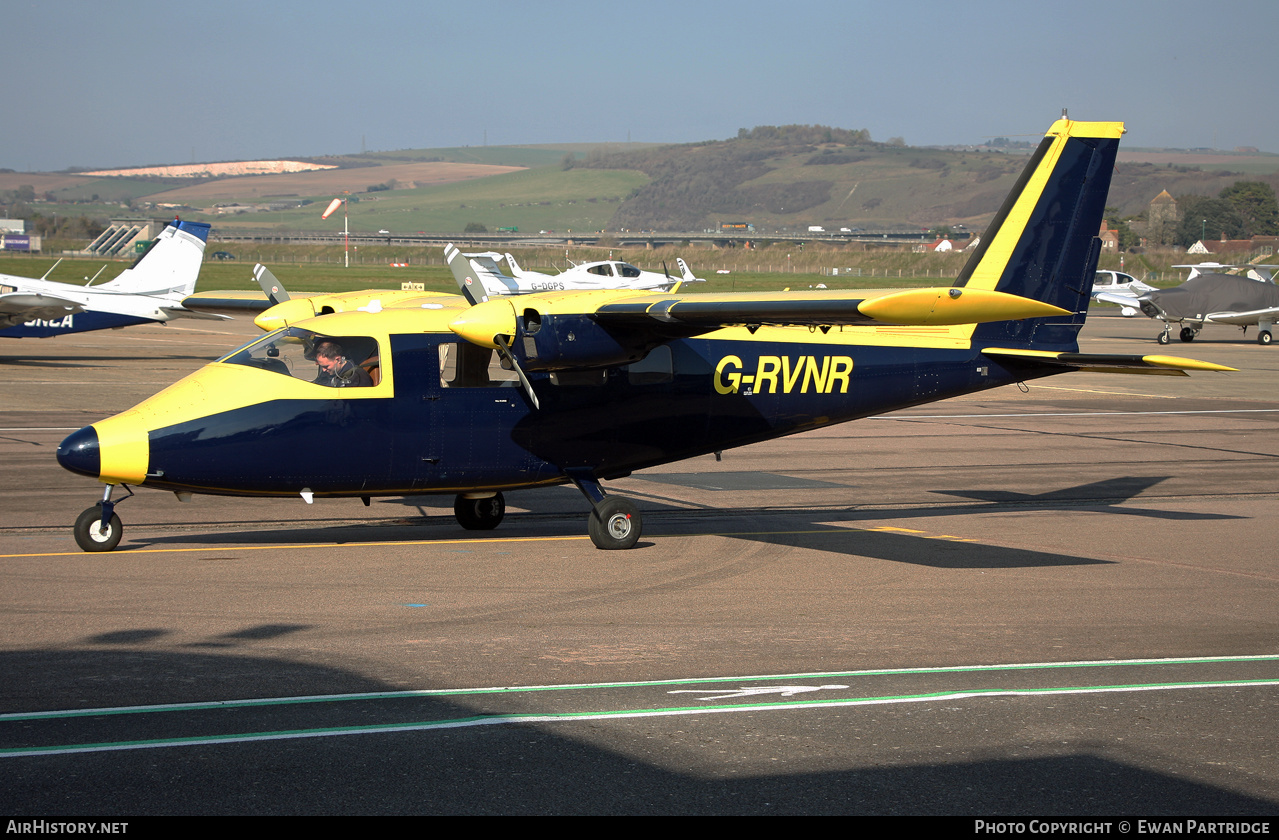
x=455 y=411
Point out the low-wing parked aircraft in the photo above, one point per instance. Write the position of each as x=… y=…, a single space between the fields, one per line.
x=1120 y=289
x=148 y=291
x=591 y=276
x=587 y=386
x=1210 y=296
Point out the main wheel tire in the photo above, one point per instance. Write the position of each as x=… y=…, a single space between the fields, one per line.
x=1187 y=334
x=1264 y=337
x=479 y=514
x=614 y=524
x=90 y=535
x=1163 y=338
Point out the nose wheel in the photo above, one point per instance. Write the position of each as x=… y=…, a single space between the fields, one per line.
x=92 y=535
x=98 y=528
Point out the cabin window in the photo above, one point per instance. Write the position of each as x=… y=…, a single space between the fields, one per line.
x=603 y=270
x=466 y=365
x=341 y=361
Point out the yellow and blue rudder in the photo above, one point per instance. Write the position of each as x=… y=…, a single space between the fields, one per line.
x=1043 y=243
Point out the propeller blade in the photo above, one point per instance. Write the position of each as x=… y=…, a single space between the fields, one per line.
x=270 y=284
x=504 y=351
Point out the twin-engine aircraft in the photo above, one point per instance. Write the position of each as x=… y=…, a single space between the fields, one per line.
x=1211 y=296
x=151 y=290
x=486 y=279
x=582 y=387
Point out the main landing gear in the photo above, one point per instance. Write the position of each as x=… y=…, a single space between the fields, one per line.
x=1187 y=334
x=99 y=528
x=479 y=514
x=614 y=523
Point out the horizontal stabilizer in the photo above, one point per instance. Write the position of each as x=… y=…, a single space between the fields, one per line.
x=233 y=302
x=181 y=312
x=1106 y=362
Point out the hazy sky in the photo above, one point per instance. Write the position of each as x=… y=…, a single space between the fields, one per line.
x=112 y=84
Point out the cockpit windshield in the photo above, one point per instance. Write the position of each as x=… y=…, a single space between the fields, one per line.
x=345 y=361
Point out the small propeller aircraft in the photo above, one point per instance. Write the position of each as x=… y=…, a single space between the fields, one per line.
x=1120 y=289
x=584 y=386
x=590 y=276
x=151 y=290
x=1210 y=296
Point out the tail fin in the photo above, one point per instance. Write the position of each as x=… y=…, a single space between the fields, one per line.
x=170 y=267
x=516 y=271
x=686 y=273
x=1043 y=242
x=478 y=275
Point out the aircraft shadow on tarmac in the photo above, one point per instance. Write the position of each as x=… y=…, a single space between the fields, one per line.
x=1108 y=495
x=526 y=768
x=850 y=532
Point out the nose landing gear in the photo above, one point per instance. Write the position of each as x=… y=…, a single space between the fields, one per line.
x=99 y=528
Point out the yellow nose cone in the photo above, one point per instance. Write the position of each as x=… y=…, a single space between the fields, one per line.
x=481 y=322
x=124 y=447
x=283 y=314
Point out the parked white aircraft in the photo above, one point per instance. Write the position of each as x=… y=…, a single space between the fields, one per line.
x=1121 y=289
x=1210 y=296
x=604 y=274
x=151 y=290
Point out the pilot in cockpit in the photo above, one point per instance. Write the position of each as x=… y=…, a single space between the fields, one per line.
x=336 y=370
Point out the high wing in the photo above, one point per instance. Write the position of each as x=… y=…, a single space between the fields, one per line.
x=644 y=320
x=20 y=307
x=915 y=307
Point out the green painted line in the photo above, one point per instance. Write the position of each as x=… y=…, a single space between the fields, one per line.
x=464 y=692
x=489 y=720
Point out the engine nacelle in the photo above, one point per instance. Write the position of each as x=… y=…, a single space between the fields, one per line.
x=574 y=341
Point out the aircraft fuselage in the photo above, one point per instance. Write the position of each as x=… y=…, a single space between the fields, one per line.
x=425 y=429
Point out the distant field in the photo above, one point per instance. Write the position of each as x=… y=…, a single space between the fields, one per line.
x=546 y=198
x=328 y=182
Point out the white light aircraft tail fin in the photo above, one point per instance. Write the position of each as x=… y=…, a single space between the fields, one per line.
x=686 y=274
x=169 y=268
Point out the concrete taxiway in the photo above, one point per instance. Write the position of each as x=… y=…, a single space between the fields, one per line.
x=1061 y=600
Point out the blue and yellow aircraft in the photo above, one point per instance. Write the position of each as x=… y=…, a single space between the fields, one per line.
x=433 y=395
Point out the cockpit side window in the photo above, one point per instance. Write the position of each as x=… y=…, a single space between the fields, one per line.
x=466 y=365
x=628 y=270
x=346 y=361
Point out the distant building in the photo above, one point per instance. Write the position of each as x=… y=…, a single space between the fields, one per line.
x=1109 y=238
x=1235 y=247
x=1162 y=219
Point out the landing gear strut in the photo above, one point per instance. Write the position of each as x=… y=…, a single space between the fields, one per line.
x=98 y=528
x=479 y=514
